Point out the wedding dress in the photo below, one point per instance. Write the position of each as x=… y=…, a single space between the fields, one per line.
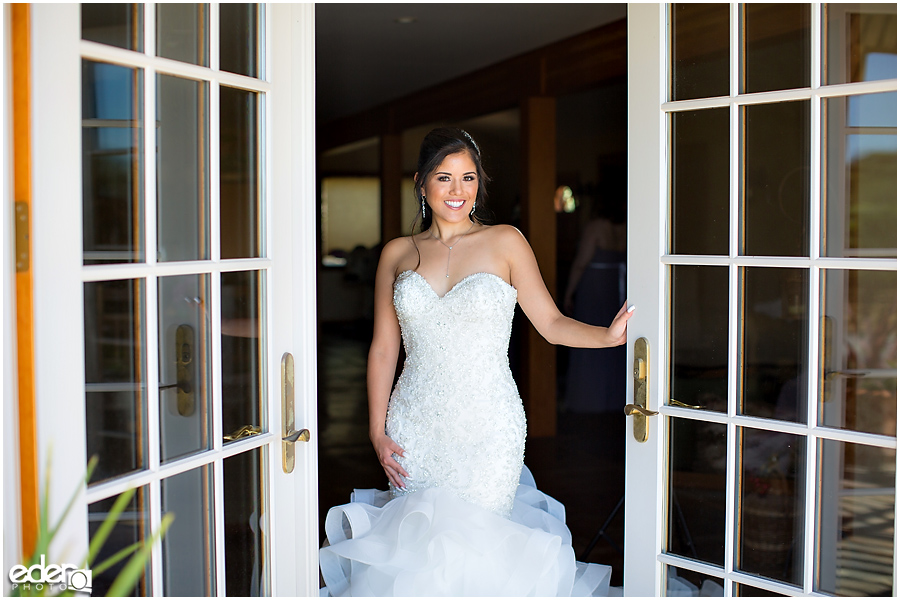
x=471 y=521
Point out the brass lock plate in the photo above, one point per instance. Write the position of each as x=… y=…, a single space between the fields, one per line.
x=641 y=388
x=287 y=411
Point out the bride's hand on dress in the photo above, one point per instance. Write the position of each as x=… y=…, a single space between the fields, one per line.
x=618 y=329
x=385 y=449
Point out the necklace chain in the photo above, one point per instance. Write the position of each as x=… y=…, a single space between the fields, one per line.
x=450 y=248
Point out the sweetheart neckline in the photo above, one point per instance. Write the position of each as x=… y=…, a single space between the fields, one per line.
x=455 y=285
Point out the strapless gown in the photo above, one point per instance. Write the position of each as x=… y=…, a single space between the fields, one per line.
x=471 y=521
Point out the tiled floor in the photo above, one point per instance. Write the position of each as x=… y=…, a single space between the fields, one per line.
x=583 y=466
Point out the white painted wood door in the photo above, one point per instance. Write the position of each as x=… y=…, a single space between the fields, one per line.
x=174 y=262
x=762 y=257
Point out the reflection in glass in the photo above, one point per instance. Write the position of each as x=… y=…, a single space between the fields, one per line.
x=239 y=40
x=246 y=572
x=776 y=44
x=239 y=177
x=775 y=194
x=772 y=507
x=112 y=182
x=182 y=168
x=858 y=346
x=742 y=590
x=855 y=532
x=699 y=181
x=242 y=382
x=696 y=511
x=182 y=32
x=133 y=526
x=120 y=25
x=699 y=337
x=114 y=375
x=860 y=176
x=185 y=425
x=699 y=50
x=775 y=326
x=681 y=582
x=860 y=42
x=188 y=561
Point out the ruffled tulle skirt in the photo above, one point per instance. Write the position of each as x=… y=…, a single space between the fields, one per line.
x=431 y=543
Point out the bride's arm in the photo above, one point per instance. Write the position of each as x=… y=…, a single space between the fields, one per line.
x=382 y=364
x=541 y=310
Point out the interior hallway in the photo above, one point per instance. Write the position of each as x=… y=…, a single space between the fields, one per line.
x=583 y=466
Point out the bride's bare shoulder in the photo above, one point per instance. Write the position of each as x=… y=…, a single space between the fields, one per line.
x=398 y=254
x=503 y=233
x=507 y=237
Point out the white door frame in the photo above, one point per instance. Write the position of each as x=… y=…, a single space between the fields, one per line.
x=289 y=159
x=646 y=215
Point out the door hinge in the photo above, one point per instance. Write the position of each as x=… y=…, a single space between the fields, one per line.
x=23 y=230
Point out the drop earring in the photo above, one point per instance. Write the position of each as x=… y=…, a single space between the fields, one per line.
x=423 y=207
x=472 y=212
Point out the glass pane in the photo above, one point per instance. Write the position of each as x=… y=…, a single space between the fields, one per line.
x=189 y=566
x=185 y=425
x=681 y=582
x=242 y=369
x=182 y=200
x=696 y=511
x=860 y=42
x=182 y=32
x=860 y=176
x=239 y=177
x=775 y=190
x=699 y=50
x=115 y=376
x=770 y=525
x=112 y=149
x=699 y=337
x=700 y=174
x=133 y=526
x=858 y=346
x=774 y=343
x=239 y=39
x=776 y=46
x=114 y=24
x=855 y=520
x=246 y=565
x=743 y=590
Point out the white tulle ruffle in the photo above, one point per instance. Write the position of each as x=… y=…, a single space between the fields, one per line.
x=431 y=543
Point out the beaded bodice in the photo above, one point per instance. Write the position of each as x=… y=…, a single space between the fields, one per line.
x=456 y=411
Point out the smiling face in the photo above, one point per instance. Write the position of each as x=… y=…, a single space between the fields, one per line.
x=452 y=188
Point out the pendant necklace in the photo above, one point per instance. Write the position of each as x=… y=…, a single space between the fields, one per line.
x=450 y=248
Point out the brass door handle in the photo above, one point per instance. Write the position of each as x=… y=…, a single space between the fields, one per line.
x=242 y=432
x=634 y=409
x=296 y=436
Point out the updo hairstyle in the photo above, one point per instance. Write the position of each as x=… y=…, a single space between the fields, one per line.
x=438 y=145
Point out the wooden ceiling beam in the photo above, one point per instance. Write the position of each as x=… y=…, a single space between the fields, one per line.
x=571 y=65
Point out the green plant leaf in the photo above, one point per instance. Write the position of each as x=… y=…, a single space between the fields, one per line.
x=99 y=538
x=128 y=577
x=92 y=463
x=118 y=556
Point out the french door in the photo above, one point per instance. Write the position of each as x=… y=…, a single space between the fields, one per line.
x=174 y=251
x=763 y=262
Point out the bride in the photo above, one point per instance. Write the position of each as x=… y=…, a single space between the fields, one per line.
x=462 y=516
